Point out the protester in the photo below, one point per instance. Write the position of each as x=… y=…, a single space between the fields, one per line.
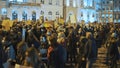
x=113 y=50
x=23 y=42
x=91 y=50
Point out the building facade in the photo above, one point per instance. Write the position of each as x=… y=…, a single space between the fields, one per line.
x=81 y=9
x=3 y=10
x=87 y=10
x=109 y=11
x=33 y=9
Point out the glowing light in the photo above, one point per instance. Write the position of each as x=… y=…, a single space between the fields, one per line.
x=4 y=11
x=67 y=3
x=74 y=3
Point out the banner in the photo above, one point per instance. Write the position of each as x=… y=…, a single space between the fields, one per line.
x=28 y=22
x=73 y=19
x=7 y=24
x=61 y=21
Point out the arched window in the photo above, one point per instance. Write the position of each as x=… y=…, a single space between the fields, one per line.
x=42 y=1
x=42 y=12
x=24 y=15
x=49 y=13
x=50 y=2
x=14 y=15
x=34 y=16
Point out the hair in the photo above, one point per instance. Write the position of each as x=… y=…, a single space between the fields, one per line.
x=53 y=41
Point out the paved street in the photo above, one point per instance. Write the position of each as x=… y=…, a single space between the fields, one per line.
x=100 y=62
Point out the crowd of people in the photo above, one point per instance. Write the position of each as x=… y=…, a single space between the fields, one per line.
x=33 y=45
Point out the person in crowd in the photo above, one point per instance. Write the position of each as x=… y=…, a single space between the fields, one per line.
x=90 y=50
x=56 y=54
x=31 y=57
x=71 y=48
x=113 y=50
x=81 y=53
x=21 y=49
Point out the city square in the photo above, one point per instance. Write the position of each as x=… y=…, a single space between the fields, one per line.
x=59 y=33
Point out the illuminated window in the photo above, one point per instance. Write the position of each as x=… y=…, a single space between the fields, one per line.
x=13 y=0
x=67 y=2
x=74 y=3
x=19 y=0
x=50 y=2
x=4 y=11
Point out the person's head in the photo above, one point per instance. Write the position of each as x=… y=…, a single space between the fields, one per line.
x=88 y=35
x=113 y=35
x=52 y=41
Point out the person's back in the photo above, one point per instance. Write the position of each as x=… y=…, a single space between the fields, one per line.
x=60 y=55
x=90 y=51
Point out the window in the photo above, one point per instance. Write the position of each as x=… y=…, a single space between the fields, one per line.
x=19 y=0
x=107 y=2
x=12 y=0
x=3 y=0
x=50 y=2
x=4 y=11
x=81 y=14
x=119 y=16
x=81 y=3
x=57 y=13
x=103 y=2
x=14 y=15
x=42 y=1
x=93 y=15
x=71 y=3
x=24 y=15
x=34 y=16
x=42 y=12
x=57 y=2
x=49 y=13
x=103 y=8
x=34 y=1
